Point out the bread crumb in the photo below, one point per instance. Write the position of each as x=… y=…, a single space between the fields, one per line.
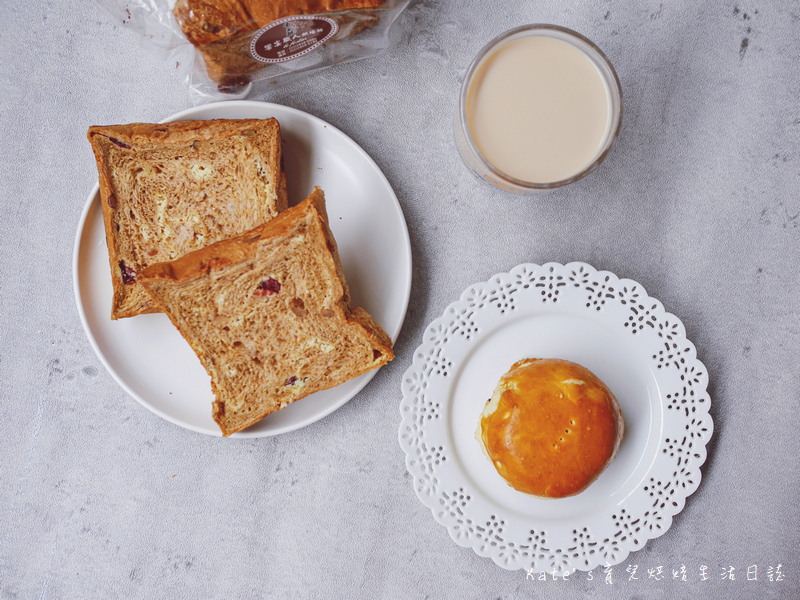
x=202 y=171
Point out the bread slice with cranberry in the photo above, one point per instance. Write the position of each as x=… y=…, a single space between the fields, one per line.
x=268 y=313
x=169 y=189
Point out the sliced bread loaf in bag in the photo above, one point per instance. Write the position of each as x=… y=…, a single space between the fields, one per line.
x=222 y=30
x=268 y=313
x=168 y=189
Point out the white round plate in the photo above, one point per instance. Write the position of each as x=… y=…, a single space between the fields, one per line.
x=612 y=327
x=154 y=364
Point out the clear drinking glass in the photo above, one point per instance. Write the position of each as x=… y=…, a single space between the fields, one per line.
x=467 y=147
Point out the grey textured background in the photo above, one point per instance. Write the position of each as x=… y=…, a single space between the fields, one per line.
x=99 y=498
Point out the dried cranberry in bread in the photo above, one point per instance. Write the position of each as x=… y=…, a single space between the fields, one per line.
x=169 y=189
x=268 y=313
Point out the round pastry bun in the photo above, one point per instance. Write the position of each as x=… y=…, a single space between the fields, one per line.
x=551 y=427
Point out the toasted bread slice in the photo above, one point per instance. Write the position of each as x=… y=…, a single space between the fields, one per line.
x=170 y=189
x=268 y=313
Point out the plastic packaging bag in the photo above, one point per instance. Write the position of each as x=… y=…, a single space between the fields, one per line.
x=229 y=47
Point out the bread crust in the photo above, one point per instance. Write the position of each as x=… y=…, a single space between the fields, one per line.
x=116 y=147
x=212 y=262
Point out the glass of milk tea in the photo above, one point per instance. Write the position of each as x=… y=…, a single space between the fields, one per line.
x=540 y=107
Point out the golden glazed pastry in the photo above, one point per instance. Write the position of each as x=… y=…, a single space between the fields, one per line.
x=551 y=427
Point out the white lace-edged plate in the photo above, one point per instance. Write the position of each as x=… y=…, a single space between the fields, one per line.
x=610 y=326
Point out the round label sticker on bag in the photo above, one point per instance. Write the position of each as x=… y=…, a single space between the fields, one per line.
x=291 y=37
